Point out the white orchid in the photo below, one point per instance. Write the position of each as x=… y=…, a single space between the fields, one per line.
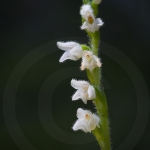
x=72 y=50
x=90 y=61
x=85 y=91
x=97 y=1
x=91 y=24
x=87 y=121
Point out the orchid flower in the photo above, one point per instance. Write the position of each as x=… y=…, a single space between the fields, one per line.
x=87 y=121
x=90 y=61
x=91 y=24
x=72 y=50
x=85 y=91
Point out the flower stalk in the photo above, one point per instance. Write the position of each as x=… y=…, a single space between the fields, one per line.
x=102 y=134
x=98 y=124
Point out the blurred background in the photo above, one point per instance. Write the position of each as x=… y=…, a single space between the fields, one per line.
x=36 y=111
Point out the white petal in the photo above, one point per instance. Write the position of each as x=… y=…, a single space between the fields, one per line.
x=64 y=57
x=76 y=126
x=76 y=96
x=99 y=22
x=91 y=92
x=92 y=27
x=76 y=52
x=97 y=1
x=97 y=120
x=67 y=55
x=80 y=94
x=82 y=66
x=84 y=98
x=85 y=26
x=81 y=113
x=85 y=11
x=92 y=123
x=79 y=84
x=87 y=126
x=79 y=125
x=99 y=64
x=88 y=112
x=66 y=45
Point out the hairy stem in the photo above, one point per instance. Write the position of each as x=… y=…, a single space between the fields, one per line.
x=102 y=134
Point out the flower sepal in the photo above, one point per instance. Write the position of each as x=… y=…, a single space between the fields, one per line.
x=85 y=47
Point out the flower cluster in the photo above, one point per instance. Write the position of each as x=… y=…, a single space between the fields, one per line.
x=87 y=121
x=74 y=52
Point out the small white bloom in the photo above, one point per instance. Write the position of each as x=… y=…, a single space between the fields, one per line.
x=72 y=50
x=91 y=24
x=85 y=91
x=86 y=11
x=97 y=1
x=87 y=121
x=89 y=61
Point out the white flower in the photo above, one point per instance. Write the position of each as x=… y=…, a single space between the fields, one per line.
x=91 y=24
x=72 y=50
x=87 y=121
x=86 y=11
x=89 y=61
x=97 y=1
x=85 y=91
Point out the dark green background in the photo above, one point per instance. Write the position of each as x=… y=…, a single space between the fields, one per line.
x=26 y=25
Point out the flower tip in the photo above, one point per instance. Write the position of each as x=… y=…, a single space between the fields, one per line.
x=58 y=43
x=73 y=128
x=60 y=60
x=74 y=98
x=85 y=102
x=79 y=109
x=72 y=81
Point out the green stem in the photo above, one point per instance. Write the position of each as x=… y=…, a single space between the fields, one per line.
x=102 y=134
x=95 y=42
